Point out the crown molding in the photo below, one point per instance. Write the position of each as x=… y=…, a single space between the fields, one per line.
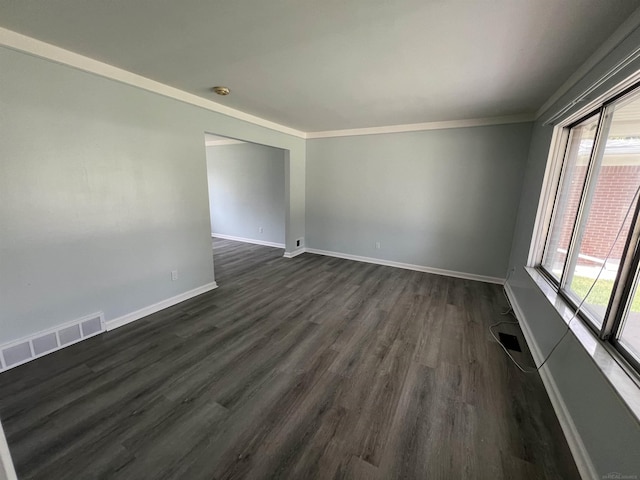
x=417 y=127
x=38 y=48
x=22 y=43
x=621 y=33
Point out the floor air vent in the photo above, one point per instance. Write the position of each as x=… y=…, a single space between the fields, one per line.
x=510 y=342
x=21 y=351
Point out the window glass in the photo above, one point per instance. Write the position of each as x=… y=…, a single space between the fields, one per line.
x=575 y=164
x=608 y=199
x=629 y=335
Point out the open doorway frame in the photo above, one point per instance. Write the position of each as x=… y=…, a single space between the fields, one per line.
x=292 y=246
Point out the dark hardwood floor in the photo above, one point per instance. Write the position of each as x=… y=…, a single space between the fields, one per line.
x=303 y=368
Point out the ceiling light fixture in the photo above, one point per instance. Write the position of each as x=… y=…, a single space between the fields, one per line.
x=221 y=90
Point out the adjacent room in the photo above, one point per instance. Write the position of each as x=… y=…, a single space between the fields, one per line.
x=382 y=239
x=246 y=202
x=246 y=191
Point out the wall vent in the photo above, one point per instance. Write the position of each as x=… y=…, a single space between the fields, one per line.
x=29 y=348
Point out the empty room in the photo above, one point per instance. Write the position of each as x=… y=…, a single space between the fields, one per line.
x=382 y=239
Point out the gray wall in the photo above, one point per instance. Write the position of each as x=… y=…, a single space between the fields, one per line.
x=247 y=191
x=443 y=199
x=103 y=192
x=608 y=430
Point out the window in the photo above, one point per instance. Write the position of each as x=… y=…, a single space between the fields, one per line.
x=591 y=252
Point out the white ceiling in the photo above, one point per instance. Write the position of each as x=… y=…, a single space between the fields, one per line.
x=338 y=64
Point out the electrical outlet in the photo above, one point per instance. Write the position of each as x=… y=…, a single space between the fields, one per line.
x=260 y=230
x=298 y=243
x=174 y=275
x=377 y=245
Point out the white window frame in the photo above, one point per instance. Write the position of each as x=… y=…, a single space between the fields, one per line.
x=630 y=263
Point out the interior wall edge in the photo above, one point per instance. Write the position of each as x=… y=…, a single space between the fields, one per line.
x=7 y=471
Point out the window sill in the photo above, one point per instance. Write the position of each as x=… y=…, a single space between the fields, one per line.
x=624 y=380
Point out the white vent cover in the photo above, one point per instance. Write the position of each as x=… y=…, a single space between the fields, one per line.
x=21 y=351
x=45 y=343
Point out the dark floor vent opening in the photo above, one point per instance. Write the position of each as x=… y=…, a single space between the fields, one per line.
x=510 y=342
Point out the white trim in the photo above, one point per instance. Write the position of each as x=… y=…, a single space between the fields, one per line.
x=576 y=445
x=605 y=49
x=248 y=240
x=219 y=143
x=295 y=253
x=546 y=199
x=409 y=266
x=591 y=98
x=31 y=46
x=7 y=471
x=417 y=127
x=22 y=43
x=156 y=307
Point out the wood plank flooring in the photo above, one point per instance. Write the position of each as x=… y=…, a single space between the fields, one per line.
x=303 y=368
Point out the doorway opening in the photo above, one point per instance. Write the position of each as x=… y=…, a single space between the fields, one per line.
x=247 y=203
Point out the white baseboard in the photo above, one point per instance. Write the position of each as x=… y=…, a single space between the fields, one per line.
x=295 y=253
x=248 y=240
x=408 y=266
x=580 y=454
x=156 y=307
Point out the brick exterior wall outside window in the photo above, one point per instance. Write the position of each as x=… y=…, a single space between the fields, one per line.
x=616 y=186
